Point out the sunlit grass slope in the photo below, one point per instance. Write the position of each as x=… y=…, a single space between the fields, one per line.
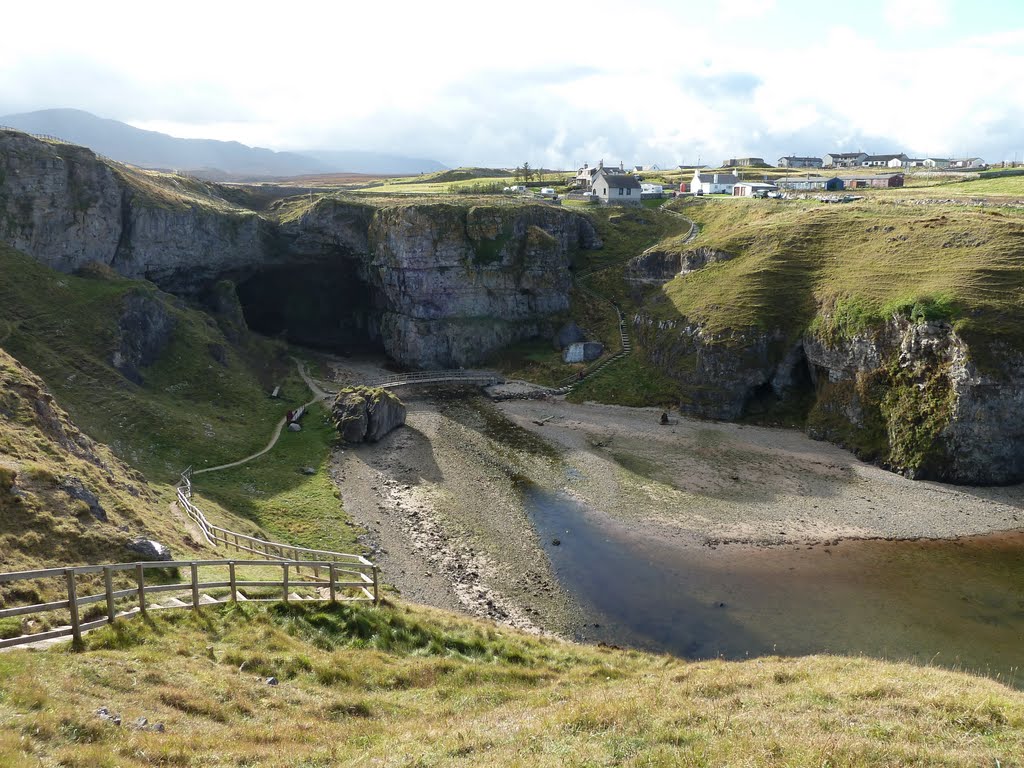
x=403 y=686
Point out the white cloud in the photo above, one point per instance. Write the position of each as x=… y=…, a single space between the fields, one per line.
x=544 y=82
x=916 y=14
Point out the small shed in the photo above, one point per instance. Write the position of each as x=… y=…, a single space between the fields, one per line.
x=752 y=189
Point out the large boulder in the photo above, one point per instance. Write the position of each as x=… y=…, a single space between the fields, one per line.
x=583 y=352
x=366 y=414
x=149 y=550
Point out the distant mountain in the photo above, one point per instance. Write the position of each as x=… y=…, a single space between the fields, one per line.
x=373 y=162
x=150 y=149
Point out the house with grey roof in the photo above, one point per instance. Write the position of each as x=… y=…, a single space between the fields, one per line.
x=792 y=161
x=843 y=159
x=713 y=183
x=584 y=179
x=616 y=188
x=833 y=183
x=884 y=161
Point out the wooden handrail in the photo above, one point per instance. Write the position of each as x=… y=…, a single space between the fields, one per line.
x=231 y=538
x=365 y=588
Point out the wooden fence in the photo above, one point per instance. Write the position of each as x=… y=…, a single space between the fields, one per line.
x=341 y=583
x=329 y=576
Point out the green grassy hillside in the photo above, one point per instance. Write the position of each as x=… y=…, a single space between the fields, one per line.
x=204 y=399
x=404 y=686
x=846 y=267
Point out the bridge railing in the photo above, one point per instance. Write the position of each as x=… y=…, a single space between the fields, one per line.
x=341 y=583
x=415 y=377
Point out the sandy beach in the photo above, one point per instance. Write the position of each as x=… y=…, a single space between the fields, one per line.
x=442 y=498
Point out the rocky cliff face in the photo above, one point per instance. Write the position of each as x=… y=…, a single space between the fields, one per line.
x=436 y=285
x=909 y=395
x=457 y=283
x=656 y=266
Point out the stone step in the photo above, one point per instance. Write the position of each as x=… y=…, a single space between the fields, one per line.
x=207 y=600
x=174 y=602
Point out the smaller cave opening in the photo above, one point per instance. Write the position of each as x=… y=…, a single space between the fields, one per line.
x=325 y=307
x=786 y=398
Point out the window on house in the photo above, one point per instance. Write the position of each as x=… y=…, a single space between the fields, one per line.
x=629 y=191
x=620 y=190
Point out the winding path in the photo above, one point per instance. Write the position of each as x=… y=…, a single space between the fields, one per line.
x=318 y=394
x=570 y=383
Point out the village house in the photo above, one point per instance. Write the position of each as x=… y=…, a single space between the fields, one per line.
x=616 y=188
x=881 y=180
x=713 y=183
x=884 y=161
x=831 y=184
x=843 y=159
x=753 y=189
x=584 y=179
x=968 y=162
x=800 y=162
x=936 y=162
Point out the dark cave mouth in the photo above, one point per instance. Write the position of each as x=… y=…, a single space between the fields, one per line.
x=320 y=306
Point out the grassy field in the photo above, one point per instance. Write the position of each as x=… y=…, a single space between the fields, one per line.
x=404 y=686
x=274 y=492
x=851 y=266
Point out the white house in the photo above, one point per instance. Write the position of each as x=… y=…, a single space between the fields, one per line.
x=968 y=162
x=936 y=162
x=884 y=161
x=752 y=189
x=713 y=183
x=584 y=178
x=616 y=188
x=791 y=161
x=651 y=189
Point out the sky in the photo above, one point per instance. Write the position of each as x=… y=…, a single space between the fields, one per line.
x=554 y=83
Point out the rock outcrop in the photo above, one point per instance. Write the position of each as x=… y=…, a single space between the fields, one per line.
x=460 y=282
x=910 y=395
x=366 y=414
x=658 y=266
x=436 y=285
x=145 y=329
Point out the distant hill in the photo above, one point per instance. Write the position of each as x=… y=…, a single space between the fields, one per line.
x=226 y=159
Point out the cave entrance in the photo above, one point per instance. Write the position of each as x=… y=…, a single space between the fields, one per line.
x=327 y=307
x=785 y=400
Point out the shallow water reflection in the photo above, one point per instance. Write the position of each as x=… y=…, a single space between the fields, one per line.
x=953 y=603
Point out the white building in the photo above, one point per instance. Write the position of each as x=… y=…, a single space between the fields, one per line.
x=713 y=183
x=651 y=189
x=968 y=162
x=752 y=189
x=616 y=188
x=936 y=162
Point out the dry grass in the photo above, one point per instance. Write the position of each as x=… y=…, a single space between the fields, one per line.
x=399 y=686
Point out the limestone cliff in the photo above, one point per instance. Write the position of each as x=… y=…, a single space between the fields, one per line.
x=459 y=282
x=435 y=285
x=911 y=395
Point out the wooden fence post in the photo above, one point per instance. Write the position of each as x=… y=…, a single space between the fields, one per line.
x=195 y=586
x=108 y=584
x=285 y=582
x=334 y=590
x=376 y=591
x=140 y=579
x=76 y=627
x=234 y=584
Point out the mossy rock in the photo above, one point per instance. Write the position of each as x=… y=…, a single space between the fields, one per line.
x=366 y=414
